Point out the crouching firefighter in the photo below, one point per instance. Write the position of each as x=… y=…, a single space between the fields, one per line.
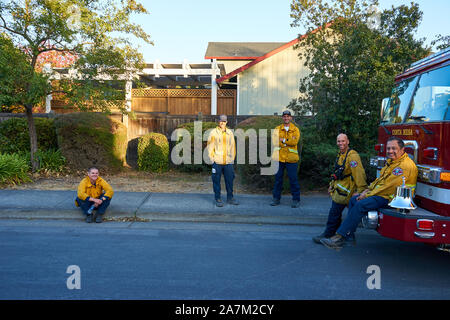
x=347 y=178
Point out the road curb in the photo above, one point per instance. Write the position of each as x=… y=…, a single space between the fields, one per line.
x=168 y=217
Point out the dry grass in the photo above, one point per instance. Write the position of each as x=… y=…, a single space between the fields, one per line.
x=137 y=181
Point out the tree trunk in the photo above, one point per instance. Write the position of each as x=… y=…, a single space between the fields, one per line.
x=33 y=138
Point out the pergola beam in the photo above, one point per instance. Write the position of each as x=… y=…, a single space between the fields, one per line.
x=178 y=72
x=158 y=70
x=214 y=86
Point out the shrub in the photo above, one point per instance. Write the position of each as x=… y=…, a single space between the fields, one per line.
x=371 y=172
x=13 y=169
x=153 y=152
x=49 y=160
x=319 y=157
x=317 y=164
x=316 y=157
x=91 y=139
x=250 y=174
x=190 y=167
x=14 y=136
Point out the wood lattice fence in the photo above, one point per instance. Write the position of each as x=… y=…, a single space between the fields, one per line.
x=182 y=101
x=170 y=101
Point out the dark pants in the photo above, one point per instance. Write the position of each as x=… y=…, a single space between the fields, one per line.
x=293 y=180
x=334 y=218
x=85 y=205
x=228 y=173
x=356 y=210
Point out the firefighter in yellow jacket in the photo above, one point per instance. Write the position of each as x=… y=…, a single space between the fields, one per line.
x=285 y=139
x=348 y=177
x=222 y=152
x=399 y=166
x=94 y=193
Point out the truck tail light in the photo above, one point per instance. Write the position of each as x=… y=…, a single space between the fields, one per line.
x=430 y=153
x=425 y=224
x=445 y=176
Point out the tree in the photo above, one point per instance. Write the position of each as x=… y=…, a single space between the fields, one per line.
x=441 y=42
x=354 y=53
x=19 y=84
x=93 y=31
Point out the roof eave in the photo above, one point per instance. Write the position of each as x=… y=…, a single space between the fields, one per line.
x=232 y=58
x=257 y=60
x=265 y=56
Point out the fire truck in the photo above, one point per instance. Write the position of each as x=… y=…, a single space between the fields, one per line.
x=418 y=111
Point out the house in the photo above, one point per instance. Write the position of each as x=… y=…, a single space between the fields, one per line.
x=265 y=74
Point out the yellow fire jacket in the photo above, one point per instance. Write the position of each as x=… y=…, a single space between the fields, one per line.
x=391 y=176
x=285 y=143
x=221 y=146
x=86 y=189
x=354 y=181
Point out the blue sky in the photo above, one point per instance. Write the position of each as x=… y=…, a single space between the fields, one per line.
x=182 y=29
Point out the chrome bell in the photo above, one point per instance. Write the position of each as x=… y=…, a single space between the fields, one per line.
x=403 y=199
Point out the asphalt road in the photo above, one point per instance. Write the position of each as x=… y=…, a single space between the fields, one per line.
x=41 y=259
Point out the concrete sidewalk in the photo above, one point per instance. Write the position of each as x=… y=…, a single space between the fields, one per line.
x=186 y=207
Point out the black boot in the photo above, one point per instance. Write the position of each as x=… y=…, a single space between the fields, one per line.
x=295 y=204
x=336 y=242
x=275 y=202
x=321 y=236
x=98 y=218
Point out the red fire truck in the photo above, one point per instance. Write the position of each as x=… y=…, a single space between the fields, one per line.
x=418 y=111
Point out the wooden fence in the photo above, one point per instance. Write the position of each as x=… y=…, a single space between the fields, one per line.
x=182 y=101
x=171 y=101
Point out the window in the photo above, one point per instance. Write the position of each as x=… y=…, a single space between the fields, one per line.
x=399 y=101
x=432 y=97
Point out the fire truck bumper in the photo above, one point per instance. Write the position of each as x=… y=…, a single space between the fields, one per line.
x=415 y=226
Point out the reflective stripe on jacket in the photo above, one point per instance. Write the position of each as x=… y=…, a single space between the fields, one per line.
x=221 y=146
x=286 y=151
x=354 y=181
x=391 y=177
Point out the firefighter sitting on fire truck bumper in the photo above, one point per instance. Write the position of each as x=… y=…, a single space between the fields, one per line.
x=398 y=166
x=348 y=177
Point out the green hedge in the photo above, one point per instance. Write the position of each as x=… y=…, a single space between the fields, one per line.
x=50 y=161
x=13 y=169
x=91 y=139
x=153 y=152
x=371 y=172
x=187 y=167
x=319 y=157
x=250 y=174
x=14 y=136
x=317 y=164
x=316 y=157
